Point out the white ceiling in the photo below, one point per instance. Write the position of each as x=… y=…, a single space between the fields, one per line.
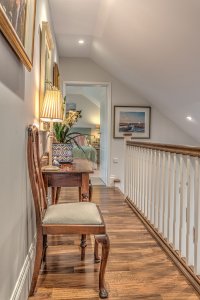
x=151 y=45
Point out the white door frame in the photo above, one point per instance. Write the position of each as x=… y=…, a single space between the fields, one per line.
x=109 y=111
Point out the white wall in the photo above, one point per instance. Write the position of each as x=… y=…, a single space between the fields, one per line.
x=90 y=111
x=162 y=129
x=19 y=92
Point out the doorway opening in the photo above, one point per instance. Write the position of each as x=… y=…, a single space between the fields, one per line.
x=94 y=101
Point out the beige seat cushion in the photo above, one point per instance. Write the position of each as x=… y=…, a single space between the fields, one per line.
x=81 y=213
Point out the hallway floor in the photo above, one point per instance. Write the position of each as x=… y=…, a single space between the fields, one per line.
x=137 y=266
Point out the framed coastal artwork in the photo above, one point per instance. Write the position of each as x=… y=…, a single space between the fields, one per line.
x=134 y=120
x=17 y=23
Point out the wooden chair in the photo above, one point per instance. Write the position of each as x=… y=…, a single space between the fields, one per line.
x=67 y=218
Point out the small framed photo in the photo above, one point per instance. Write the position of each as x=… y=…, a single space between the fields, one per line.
x=134 y=120
x=70 y=106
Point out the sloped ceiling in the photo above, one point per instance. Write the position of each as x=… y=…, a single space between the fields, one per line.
x=151 y=45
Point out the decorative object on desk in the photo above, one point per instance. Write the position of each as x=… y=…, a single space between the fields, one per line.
x=62 y=131
x=62 y=150
x=132 y=119
x=17 y=23
x=52 y=112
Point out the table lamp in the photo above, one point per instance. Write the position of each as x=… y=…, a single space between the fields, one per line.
x=52 y=111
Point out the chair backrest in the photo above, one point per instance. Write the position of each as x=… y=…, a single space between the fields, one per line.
x=35 y=174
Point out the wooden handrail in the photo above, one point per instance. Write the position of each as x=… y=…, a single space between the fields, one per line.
x=178 y=149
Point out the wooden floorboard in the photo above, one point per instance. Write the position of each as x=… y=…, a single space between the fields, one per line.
x=137 y=266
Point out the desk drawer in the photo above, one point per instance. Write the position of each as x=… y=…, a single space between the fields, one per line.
x=64 y=180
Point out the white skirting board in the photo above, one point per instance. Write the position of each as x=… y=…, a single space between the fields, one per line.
x=22 y=285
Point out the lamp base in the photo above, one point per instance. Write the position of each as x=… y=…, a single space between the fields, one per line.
x=50 y=168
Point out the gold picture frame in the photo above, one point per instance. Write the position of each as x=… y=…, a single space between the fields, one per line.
x=19 y=30
x=46 y=63
x=56 y=76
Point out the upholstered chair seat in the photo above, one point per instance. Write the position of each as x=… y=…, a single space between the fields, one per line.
x=81 y=213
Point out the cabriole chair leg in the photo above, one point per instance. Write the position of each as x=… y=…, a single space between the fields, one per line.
x=103 y=239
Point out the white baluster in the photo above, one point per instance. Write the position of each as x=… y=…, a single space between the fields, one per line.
x=161 y=192
x=139 y=177
x=157 y=189
x=183 y=204
x=136 y=175
x=176 y=202
x=146 y=186
x=135 y=182
x=126 y=172
x=154 y=181
x=127 y=179
x=143 y=180
x=132 y=173
x=165 y=192
x=171 y=179
x=149 y=195
x=190 y=212
x=130 y=170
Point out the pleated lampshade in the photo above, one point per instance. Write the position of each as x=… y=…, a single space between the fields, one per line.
x=52 y=109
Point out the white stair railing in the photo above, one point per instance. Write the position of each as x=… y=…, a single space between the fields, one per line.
x=163 y=184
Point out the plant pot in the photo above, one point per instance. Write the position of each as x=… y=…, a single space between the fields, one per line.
x=62 y=153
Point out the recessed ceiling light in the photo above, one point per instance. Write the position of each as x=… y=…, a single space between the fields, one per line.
x=81 y=41
x=189 y=118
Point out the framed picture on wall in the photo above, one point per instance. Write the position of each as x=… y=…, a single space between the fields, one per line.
x=17 y=23
x=70 y=106
x=46 y=63
x=56 y=76
x=134 y=120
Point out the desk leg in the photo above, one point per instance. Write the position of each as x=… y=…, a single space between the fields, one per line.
x=46 y=187
x=58 y=189
x=85 y=187
x=79 y=192
x=84 y=195
x=83 y=246
x=53 y=195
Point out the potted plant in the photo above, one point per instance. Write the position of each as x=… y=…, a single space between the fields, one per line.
x=65 y=138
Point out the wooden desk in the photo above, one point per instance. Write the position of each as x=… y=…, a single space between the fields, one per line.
x=69 y=175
